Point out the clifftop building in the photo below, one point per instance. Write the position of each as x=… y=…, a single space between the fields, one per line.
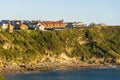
x=51 y=25
x=94 y=24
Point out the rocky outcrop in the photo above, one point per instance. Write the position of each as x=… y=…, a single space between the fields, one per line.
x=39 y=50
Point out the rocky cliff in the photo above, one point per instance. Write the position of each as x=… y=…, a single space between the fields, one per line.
x=93 y=45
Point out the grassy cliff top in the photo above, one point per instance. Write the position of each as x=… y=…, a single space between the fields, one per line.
x=82 y=43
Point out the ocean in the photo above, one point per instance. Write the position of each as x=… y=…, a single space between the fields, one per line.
x=102 y=73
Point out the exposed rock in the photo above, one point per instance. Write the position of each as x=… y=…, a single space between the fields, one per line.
x=64 y=56
x=69 y=49
x=81 y=42
x=8 y=46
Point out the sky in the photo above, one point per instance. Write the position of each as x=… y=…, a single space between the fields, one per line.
x=87 y=11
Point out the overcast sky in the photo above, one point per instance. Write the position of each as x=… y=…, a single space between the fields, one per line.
x=87 y=11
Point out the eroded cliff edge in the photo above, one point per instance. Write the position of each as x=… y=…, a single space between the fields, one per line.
x=32 y=50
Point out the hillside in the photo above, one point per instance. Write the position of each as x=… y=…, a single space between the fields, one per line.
x=98 y=45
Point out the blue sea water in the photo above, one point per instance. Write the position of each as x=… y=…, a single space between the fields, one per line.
x=70 y=74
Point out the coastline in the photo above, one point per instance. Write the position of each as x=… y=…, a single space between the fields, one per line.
x=51 y=66
x=24 y=51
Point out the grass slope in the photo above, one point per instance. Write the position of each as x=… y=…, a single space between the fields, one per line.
x=85 y=43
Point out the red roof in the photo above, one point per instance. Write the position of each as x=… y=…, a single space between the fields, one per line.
x=53 y=24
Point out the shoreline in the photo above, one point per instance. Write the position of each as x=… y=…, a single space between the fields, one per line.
x=58 y=66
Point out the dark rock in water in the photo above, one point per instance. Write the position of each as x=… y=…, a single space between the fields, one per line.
x=23 y=66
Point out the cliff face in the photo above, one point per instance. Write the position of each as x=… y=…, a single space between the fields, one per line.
x=91 y=45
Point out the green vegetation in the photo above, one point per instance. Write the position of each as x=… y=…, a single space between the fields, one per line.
x=85 y=43
x=1 y=78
